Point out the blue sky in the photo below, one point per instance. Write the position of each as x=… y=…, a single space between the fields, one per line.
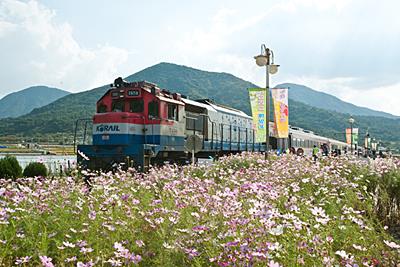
x=348 y=48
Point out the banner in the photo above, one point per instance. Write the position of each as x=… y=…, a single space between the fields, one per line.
x=367 y=142
x=257 y=102
x=355 y=136
x=281 y=111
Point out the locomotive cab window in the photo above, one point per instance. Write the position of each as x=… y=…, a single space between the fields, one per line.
x=153 y=109
x=101 y=108
x=172 y=112
x=136 y=105
x=118 y=106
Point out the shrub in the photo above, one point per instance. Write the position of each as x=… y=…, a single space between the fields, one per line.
x=35 y=169
x=10 y=168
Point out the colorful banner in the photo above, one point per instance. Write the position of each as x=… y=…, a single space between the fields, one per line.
x=281 y=111
x=355 y=136
x=257 y=102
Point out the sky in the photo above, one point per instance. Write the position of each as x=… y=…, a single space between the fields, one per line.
x=347 y=48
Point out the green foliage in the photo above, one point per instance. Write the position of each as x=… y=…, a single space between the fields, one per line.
x=24 y=101
x=35 y=169
x=10 y=168
x=223 y=88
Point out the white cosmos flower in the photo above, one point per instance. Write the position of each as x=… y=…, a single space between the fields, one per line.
x=392 y=244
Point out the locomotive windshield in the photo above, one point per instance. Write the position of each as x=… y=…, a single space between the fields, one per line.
x=136 y=106
x=101 y=108
x=118 y=106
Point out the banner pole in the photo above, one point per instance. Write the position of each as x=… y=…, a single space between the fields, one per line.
x=267 y=105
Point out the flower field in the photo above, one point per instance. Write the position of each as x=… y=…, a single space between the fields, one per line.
x=241 y=211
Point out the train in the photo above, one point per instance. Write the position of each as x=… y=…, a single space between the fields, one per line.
x=139 y=124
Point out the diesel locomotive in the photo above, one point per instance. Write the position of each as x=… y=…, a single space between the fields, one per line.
x=139 y=124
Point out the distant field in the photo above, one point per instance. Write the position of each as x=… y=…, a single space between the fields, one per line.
x=60 y=150
x=16 y=150
x=51 y=149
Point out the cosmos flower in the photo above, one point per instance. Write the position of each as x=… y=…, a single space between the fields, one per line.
x=392 y=244
x=46 y=261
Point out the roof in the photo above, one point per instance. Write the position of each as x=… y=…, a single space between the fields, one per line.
x=228 y=110
x=198 y=104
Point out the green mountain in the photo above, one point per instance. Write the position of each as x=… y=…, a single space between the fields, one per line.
x=60 y=116
x=24 y=101
x=322 y=100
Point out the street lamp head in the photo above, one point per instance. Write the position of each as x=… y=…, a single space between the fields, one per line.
x=261 y=60
x=351 y=120
x=272 y=69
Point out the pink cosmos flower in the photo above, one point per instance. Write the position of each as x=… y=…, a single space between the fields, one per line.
x=114 y=262
x=88 y=264
x=71 y=259
x=273 y=264
x=46 y=261
x=342 y=254
x=92 y=215
x=22 y=260
x=139 y=243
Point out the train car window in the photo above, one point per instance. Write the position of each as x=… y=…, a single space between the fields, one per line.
x=101 y=108
x=153 y=109
x=136 y=105
x=118 y=106
x=172 y=112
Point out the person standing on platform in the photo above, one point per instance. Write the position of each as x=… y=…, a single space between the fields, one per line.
x=315 y=153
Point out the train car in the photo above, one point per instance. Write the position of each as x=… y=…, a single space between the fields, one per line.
x=140 y=124
x=300 y=138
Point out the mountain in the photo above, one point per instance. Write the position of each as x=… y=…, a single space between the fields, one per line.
x=60 y=115
x=222 y=87
x=24 y=101
x=322 y=100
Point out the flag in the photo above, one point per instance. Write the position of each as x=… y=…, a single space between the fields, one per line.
x=258 y=108
x=281 y=111
x=355 y=135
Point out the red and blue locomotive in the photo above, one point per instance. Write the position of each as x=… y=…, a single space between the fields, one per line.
x=139 y=124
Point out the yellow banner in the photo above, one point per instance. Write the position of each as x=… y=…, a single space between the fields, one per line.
x=257 y=102
x=281 y=111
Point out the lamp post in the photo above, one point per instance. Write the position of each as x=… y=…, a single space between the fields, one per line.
x=266 y=58
x=351 y=121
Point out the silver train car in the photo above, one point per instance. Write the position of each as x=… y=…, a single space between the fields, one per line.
x=300 y=138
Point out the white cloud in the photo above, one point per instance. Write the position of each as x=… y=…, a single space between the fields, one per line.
x=326 y=45
x=38 y=50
